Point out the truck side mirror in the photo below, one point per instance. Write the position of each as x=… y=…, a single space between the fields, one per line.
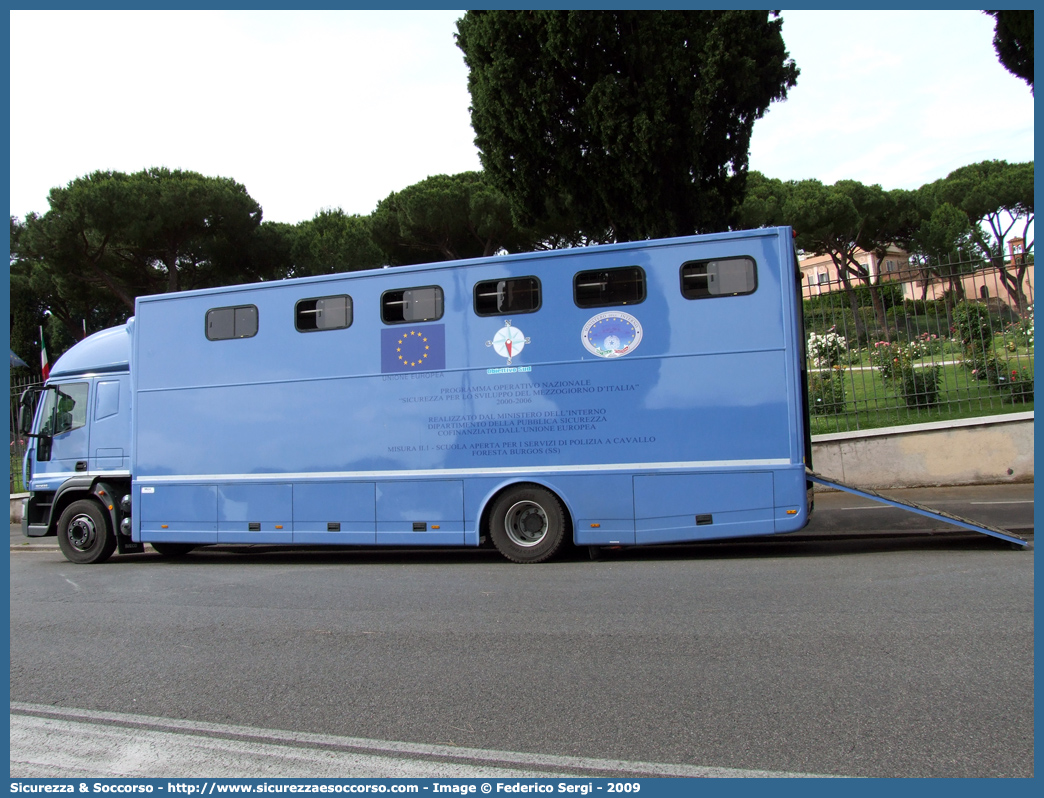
x=26 y=406
x=26 y=410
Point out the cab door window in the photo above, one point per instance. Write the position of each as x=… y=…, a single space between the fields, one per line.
x=64 y=408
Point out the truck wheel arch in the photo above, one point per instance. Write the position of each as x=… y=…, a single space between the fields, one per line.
x=493 y=495
x=71 y=490
x=107 y=494
x=538 y=499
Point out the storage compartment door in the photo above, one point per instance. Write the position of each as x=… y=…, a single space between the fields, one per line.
x=259 y=513
x=335 y=513
x=176 y=513
x=673 y=508
x=427 y=513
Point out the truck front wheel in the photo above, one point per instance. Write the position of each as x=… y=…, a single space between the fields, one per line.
x=83 y=533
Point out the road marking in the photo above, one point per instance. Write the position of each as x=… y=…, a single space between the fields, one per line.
x=114 y=744
x=71 y=582
x=940 y=503
x=1007 y=501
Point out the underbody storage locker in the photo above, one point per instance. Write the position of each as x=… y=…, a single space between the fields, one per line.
x=678 y=507
x=421 y=513
x=341 y=513
x=177 y=513
x=255 y=513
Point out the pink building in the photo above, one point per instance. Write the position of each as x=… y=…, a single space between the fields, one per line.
x=821 y=277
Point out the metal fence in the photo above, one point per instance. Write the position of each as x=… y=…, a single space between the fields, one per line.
x=955 y=341
x=19 y=383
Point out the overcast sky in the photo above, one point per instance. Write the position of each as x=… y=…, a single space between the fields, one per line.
x=313 y=110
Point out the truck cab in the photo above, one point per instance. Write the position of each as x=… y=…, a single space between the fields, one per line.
x=77 y=465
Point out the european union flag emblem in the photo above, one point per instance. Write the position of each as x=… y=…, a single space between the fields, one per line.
x=413 y=348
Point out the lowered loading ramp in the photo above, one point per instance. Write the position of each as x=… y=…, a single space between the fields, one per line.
x=928 y=512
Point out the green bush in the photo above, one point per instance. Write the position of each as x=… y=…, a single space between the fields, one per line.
x=920 y=386
x=911 y=307
x=890 y=359
x=873 y=329
x=971 y=323
x=917 y=318
x=983 y=367
x=1020 y=333
x=898 y=316
x=1001 y=314
x=1019 y=385
x=826 y=392
x=891 y=294
x=926 y=344
x=828 y=312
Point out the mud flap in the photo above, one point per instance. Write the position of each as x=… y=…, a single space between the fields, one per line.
x=107 y=495
x=928 y=512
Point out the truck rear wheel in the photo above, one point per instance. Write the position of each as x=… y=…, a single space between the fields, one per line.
x=527 y=523
x=83 y=533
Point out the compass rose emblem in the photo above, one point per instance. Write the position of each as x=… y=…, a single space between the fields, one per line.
x=508 y=342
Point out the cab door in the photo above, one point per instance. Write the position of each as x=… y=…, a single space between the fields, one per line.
x=63 y=422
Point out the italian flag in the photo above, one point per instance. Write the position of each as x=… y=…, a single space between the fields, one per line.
x=45 y=367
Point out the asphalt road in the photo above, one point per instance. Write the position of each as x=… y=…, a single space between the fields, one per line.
x=870 y=654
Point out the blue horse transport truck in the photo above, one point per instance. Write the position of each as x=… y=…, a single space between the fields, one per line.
x=616 y=395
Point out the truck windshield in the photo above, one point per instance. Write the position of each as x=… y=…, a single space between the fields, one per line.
x=64 y=408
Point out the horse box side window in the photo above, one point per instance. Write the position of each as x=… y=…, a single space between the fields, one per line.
x=323 y=313
x=507 y=297
x=701 y=279
x=412 y=304
x=603 y=287
x=234 y=322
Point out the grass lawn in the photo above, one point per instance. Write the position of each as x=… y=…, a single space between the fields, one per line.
x=16 y=474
